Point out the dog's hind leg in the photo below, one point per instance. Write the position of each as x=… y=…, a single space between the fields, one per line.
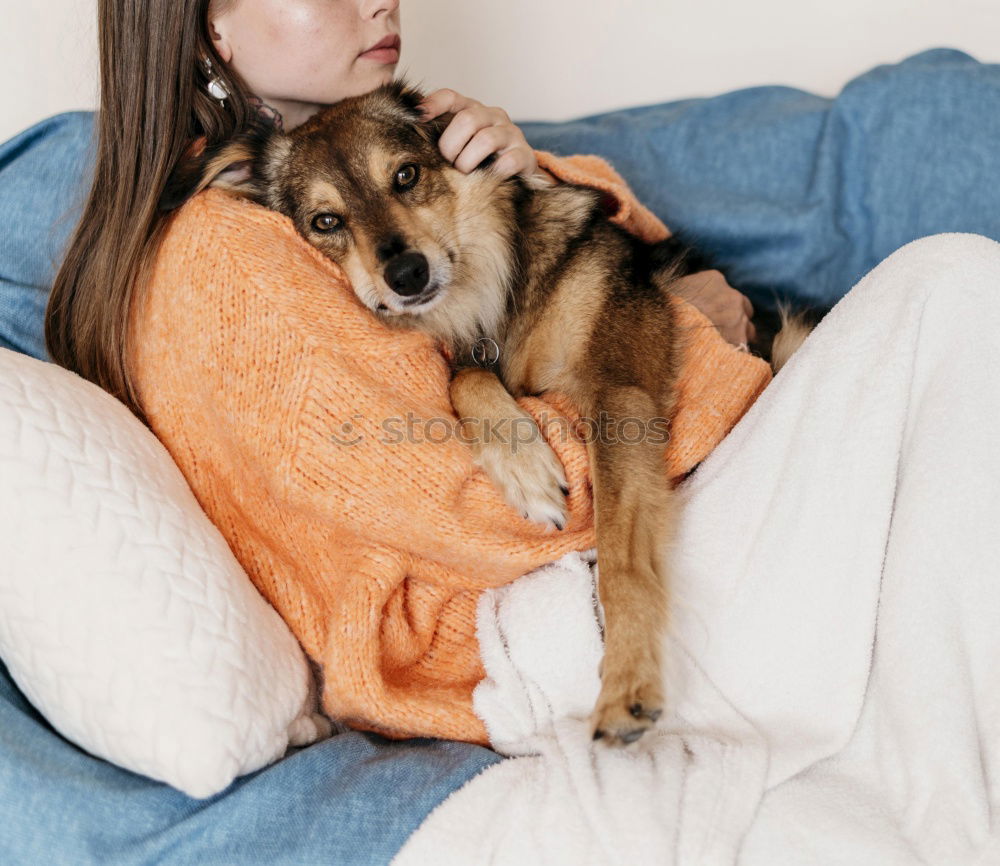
x=634 y=510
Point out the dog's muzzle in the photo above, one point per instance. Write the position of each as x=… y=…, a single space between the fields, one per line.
x=407 y=274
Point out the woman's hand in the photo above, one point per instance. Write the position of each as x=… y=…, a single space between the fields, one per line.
x=729 y=310
x=476 y=131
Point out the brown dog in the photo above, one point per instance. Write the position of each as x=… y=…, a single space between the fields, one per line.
x=532 y=288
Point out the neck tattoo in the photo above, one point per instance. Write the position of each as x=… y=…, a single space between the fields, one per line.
x=269 y=113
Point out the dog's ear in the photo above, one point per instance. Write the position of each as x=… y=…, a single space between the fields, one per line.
x=407 y=96
x=410 y=98
x=232 y=165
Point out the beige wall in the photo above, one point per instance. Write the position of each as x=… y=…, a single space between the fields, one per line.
x=48 y=59
x=562 y=58
x=559 y=58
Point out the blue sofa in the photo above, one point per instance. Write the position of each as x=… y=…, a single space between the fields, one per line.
x=795 y=195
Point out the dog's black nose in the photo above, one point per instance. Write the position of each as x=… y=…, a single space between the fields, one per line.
x=407 y=274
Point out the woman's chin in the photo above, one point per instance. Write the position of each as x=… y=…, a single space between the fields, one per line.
x=384 y=75
x=371 y=78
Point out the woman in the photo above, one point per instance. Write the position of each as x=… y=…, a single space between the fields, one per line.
x=216 y=65
x=112 y=318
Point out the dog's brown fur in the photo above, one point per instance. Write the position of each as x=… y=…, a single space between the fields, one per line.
x=572 y=301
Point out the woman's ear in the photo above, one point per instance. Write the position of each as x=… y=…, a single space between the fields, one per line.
x=217 y=30
x=232 y=165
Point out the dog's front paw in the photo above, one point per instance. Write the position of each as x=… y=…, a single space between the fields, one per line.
x=530 y=477
x=629 y=704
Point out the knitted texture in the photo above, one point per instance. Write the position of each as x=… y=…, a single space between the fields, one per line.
x=323 y=445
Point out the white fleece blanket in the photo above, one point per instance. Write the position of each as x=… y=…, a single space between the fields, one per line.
x=836 y=638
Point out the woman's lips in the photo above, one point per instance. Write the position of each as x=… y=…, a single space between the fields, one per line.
x=382 y=55
x=386 y=51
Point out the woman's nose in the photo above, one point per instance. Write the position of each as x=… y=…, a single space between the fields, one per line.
x=373 y=8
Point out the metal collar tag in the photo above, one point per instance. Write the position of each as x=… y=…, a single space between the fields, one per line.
x=485 y=352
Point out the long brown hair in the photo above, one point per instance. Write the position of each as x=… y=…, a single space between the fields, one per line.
x=153 y=104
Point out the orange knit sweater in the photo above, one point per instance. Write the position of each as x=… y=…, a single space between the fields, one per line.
x=285 y=403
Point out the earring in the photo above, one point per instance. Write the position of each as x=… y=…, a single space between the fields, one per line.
x=216 y=87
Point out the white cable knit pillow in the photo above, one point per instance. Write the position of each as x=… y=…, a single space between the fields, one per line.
x=124 y=616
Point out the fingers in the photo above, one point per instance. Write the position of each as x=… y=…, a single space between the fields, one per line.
x=442 y=101
x=476 y=131
x=480 y=146
x=512 y=158
x=734 y=334
x=464 y=125
x=469 y=123
x=740 y=330
x=728 y=309
x=519 y=159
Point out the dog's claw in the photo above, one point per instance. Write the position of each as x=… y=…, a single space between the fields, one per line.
x=628 y=706
x=638 y=712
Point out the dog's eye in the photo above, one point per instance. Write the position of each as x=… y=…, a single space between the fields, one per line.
x=407 y=177
x=327 y=222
